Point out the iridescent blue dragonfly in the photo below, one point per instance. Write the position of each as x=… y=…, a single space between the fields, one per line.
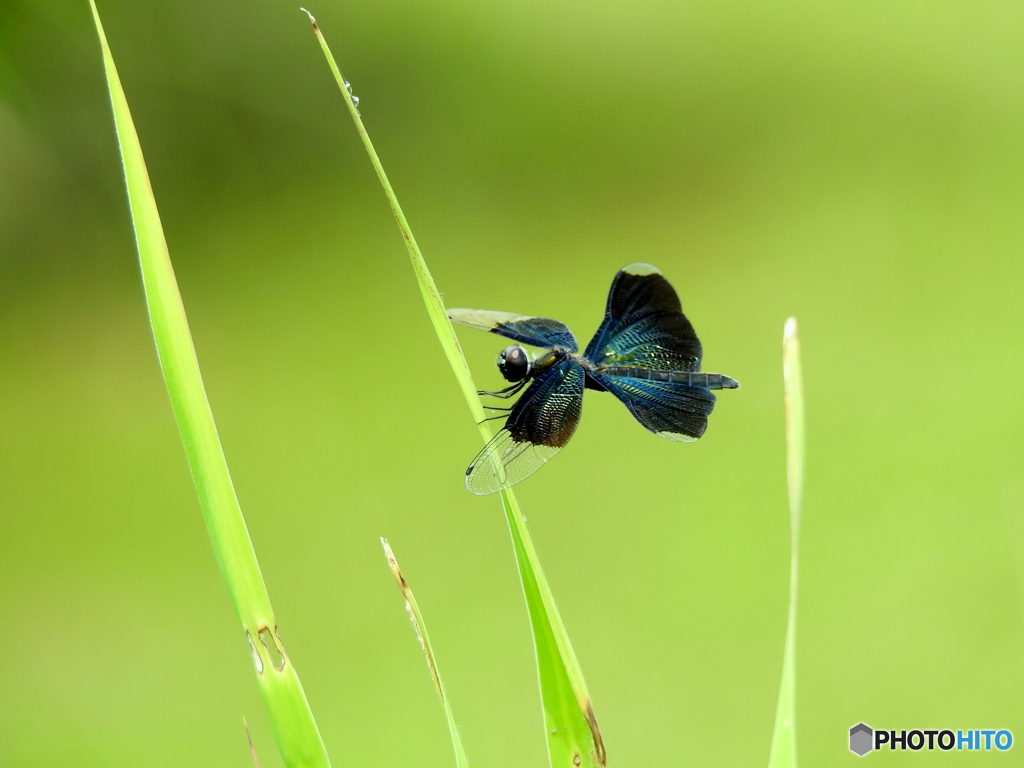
x=645 y=353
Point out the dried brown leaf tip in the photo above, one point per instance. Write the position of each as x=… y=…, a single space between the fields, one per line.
x=591 y=718
x=311 y=19
x=252 y=749
x=414 y=615
x=393 y=565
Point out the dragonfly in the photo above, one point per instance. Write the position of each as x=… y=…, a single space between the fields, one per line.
x=645 y=353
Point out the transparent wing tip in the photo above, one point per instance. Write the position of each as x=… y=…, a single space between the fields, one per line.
x=640 y=268
x=679 y=437
x=482 y=319
x=482 y=482
x=504 y=462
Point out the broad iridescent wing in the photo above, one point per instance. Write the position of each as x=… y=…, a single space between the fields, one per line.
x=541 y=423
x=644 y=325
x=535 y=331
x=669 y=409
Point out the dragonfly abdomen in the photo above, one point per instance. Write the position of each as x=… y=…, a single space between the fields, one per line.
x=700 y=380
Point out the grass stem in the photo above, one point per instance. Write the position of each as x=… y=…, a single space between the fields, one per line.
x=783 y=754
x=461 y=761
x=291 y=719
x=572 y=734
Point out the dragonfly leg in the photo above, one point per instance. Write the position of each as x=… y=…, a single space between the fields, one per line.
x=505 y=393
x=492 y=418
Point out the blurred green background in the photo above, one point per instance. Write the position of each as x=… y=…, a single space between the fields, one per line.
x=857 y=164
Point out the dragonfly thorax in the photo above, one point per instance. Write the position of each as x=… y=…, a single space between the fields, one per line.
x=514 y=363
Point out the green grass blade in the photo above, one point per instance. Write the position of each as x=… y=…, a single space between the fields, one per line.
x=461 y=761
x=783 y=754
x=294 y=729
x=574 y=738
x=572 y=734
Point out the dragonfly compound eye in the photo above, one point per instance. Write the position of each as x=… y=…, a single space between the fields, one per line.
x=514 y=364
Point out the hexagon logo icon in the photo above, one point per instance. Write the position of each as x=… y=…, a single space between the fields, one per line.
x=861 y=739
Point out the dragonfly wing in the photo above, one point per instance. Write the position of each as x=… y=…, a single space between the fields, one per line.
x=644 y=325
x=503 y=462
x=535 y=331
x=669 y=409
x=541 y=423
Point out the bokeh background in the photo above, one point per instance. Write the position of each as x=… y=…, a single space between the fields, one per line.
x=857 y=164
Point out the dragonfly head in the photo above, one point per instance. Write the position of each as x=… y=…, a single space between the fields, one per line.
x=514 y=363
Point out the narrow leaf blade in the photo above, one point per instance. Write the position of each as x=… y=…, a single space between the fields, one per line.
x=783 y=754
x=292 y=721
x=572 y=734
x=461 y=761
